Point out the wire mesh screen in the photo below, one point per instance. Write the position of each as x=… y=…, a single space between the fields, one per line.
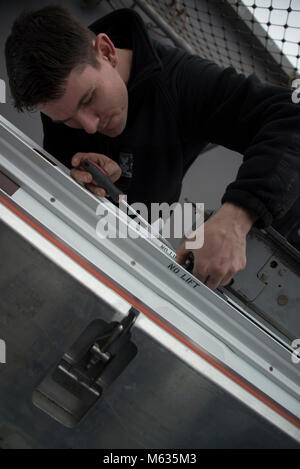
x=253 y=36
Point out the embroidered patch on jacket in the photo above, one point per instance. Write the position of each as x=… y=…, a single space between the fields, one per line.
x=126 y=164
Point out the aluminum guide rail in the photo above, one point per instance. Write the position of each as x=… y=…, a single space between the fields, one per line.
x=143 y=269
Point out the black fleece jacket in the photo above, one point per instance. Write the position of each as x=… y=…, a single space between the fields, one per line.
x=179 y=102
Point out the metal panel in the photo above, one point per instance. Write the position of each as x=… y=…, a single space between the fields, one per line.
x=158 y=402
x=219 y=339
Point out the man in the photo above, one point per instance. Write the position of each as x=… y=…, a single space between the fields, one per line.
x=127 y=100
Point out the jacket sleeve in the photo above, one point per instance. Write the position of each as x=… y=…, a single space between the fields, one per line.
x=256 y=119
x=59 y=140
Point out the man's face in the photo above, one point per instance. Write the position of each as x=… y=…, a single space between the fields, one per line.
x=95 y=100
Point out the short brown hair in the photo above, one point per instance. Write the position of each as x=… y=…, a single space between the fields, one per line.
x=43 y=48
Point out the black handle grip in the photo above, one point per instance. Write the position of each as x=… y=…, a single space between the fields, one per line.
x=101 y=179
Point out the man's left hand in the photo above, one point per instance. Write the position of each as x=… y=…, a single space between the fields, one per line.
x=224 y=250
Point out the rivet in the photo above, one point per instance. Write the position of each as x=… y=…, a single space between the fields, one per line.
x=282 y=300
x=281 y=272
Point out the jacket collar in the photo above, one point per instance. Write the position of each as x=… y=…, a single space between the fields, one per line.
x=127 y=30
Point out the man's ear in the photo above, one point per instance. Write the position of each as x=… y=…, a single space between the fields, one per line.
x=105 y=49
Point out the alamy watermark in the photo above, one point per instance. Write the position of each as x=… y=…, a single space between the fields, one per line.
x=180 y=221
x=2 y=351
x=2 y=91
x=296 y=352
x=296 y=92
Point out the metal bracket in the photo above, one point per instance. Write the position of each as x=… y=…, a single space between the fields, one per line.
x=95 y=360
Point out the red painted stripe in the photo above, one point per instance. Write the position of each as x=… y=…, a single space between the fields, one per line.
x=141 y=307
x=98 y=167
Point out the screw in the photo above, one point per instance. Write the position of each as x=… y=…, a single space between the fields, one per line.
x=133 y=263
x=263 y=277
x=52 y=199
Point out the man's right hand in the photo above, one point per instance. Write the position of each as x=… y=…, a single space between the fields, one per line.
x=110 y=166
